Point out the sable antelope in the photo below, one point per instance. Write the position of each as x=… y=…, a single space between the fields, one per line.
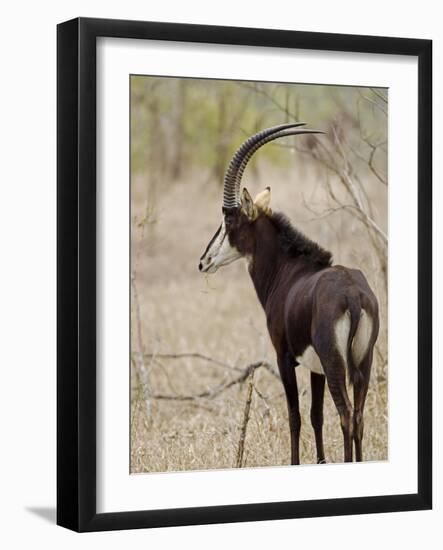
x=319 y=315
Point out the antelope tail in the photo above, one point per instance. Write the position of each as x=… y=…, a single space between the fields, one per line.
x=354 y=372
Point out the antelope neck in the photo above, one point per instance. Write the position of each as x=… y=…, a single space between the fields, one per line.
x=266 y=260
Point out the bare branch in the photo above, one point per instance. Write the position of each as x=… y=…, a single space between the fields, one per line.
x=379 y=95
x=193 y=355
x=372 y=167
x=217 y=390
x=370 y=161
x=375 y=103
x=271 y=98
x=139 y=354
x=241 y=442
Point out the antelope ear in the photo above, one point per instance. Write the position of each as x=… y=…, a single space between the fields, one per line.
x=248 y=205
x=263 y=199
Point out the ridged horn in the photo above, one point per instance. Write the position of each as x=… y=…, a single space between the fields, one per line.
x=265 y=140
x=231 y=189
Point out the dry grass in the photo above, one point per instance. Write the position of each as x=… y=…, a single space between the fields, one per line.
x=182 y=311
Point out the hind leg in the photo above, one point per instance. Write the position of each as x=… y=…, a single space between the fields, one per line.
x=334 y=367
x=330 y=346
x=360 y=392
x=336 y=377
x=318 y=392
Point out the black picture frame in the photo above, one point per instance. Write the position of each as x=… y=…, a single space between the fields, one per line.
x=76 y=273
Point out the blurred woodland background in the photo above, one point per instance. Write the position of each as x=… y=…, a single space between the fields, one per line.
x=205 y=392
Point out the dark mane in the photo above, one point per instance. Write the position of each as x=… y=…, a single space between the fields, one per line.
x=294 y=243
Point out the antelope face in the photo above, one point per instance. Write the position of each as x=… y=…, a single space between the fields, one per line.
x=235 y=238
x=219 y=251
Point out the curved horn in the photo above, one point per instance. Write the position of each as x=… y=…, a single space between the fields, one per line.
x=231 y=189
x=265 y=140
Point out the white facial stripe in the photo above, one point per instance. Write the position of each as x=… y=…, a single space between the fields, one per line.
x=220 y=252
x=218 y=242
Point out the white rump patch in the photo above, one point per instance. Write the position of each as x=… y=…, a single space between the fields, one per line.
x=310 y=360
x=362 y=337
x=342 y=328
x=359 y=347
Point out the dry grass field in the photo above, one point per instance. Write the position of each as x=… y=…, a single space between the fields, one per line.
x=176 y=310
